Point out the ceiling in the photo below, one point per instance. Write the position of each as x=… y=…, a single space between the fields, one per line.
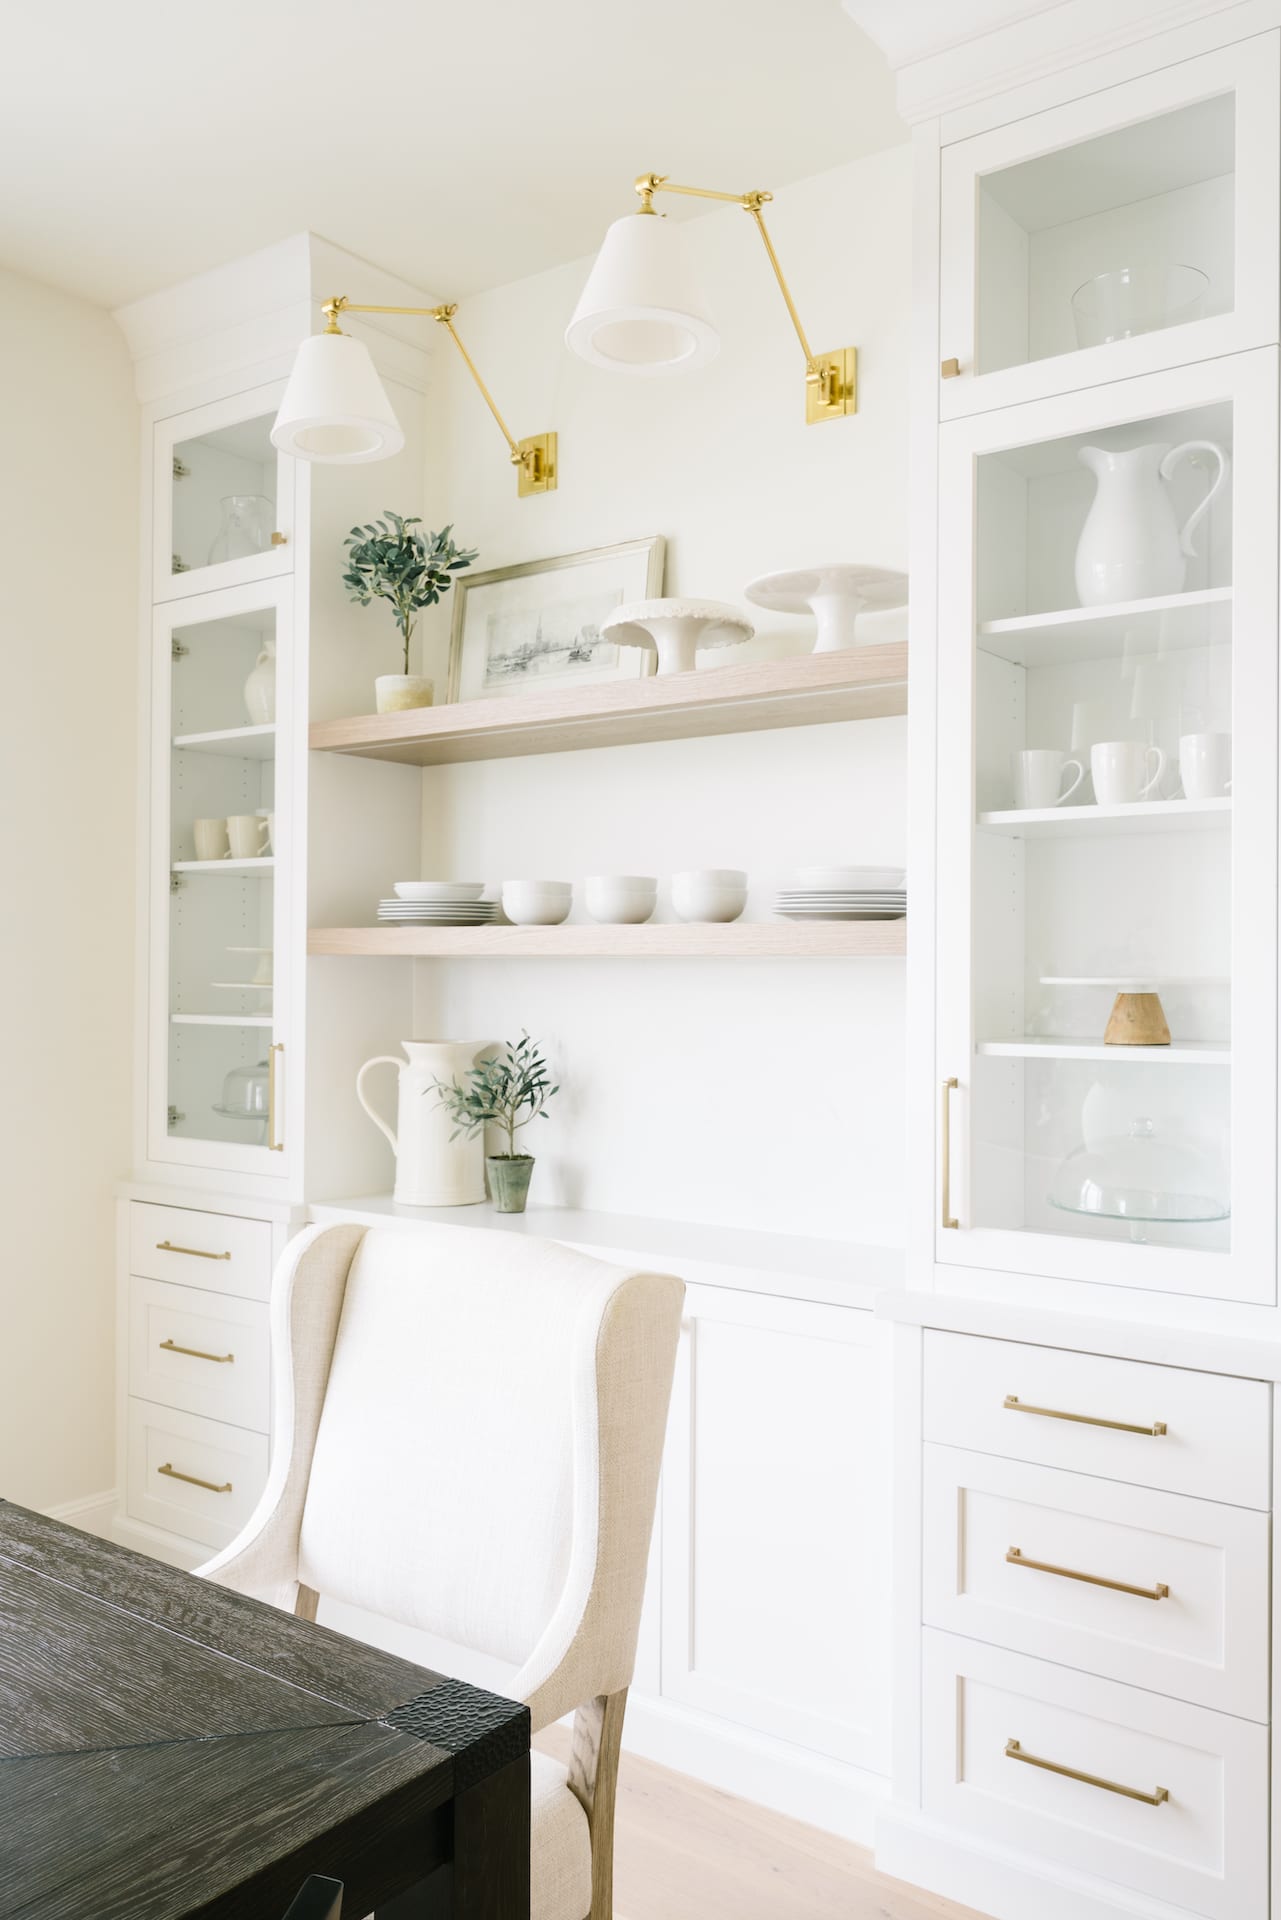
x=460 y=145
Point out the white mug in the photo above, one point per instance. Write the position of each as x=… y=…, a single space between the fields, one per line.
x=268 y=815
x=1038 y=777
x=247 y=835
x=1205 y=765
x=1120 y=771
x=211 y=839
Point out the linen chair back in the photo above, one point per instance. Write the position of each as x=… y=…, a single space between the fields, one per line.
x=488 y=1447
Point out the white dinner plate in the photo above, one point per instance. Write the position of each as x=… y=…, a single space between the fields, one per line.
x=842 y=913
x=438 y=889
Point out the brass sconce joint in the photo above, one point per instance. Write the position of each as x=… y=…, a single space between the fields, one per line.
x=831 y=379
x=535 y=457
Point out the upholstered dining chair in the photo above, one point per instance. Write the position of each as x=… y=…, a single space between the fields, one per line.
x=468 y=1429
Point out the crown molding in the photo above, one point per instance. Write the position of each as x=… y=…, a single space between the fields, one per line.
x=245 y=316
x=1007 y=43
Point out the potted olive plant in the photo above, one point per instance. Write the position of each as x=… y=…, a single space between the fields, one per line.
x=394 y=560
x=508 y=1091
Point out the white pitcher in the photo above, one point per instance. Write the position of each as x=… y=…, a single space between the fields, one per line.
x=431 y=1169
x=1130 y=546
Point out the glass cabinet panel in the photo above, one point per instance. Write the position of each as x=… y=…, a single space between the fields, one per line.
x=223 y=497
x=1119 y=233
x=1108 y=872
x=217 y=1013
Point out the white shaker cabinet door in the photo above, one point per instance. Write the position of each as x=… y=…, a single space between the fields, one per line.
x=774 y=1523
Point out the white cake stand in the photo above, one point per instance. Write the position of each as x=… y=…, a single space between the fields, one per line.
x=674 y=630
x=835 y=595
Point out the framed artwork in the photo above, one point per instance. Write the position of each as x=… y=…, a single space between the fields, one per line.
x=538 y=624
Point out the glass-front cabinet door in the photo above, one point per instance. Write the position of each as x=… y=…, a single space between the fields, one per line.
x=1107 y=834
x=220 y=841
x=223 y=497
x=1121 y=233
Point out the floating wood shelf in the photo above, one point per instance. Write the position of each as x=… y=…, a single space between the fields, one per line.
x=862 y=683
x=1166 y=624
x=1145 y=816
x=1180 y=1053
x=753 y=940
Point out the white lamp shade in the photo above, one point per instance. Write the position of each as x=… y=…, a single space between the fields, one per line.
x=335 y=409
x=641 y=310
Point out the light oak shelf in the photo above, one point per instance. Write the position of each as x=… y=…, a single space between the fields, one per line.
x=1180 y=1053
x=1145 y=816
x=862 y=683
x=753 y=940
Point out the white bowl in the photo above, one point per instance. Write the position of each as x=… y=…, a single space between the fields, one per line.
x=537 y=903
x=439 y=889
x=706 y=896
x=620 y=899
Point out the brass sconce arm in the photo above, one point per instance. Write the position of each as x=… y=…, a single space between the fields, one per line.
x=534 y=458
x=831 y=378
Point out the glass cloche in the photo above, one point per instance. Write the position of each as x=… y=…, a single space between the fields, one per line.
x=1142 y=1176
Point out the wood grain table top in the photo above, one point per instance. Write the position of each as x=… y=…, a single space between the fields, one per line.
x=171 y=1749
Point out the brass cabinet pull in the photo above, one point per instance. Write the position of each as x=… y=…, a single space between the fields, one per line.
x=173 y=1474
x=280 y=539
x=1013 y=1751
x=171 y=1346
x=1013 y=1404
x=197 y=1253
x=1015 y=1558
x=273 y=1145
x=949 y=1087
x=950 y=369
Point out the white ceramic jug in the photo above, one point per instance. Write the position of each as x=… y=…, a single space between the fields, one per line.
x=260 y=687
x=1130 y=546
x=431 y=1169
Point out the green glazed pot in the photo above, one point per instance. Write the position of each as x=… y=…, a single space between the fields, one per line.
x=509 y=1177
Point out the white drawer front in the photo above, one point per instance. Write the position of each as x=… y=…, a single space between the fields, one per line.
x=171 y=1453
x=207 y=1352
x=1204 y=1639
x=221 y=1252
x=1216 y=1441
x=1205 y=1847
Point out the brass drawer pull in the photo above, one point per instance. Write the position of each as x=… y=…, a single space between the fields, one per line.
x=197 y=1253
x=950 y=369
x=172 y=1473
x=171 y=1346
x=1013 y=1404
x=1014 y=1558
x=1013 y=1751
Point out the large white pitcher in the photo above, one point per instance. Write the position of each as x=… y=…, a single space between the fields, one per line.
x=1131 y=547
x=431 y=1169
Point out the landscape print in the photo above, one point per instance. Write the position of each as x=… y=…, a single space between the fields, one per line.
x=559 y=642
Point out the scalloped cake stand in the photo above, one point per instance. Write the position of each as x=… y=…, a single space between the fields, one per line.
x=835 y=595
x=674 y=630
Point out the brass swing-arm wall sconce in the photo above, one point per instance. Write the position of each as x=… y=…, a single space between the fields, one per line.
x=335 y=408
x=641 y=312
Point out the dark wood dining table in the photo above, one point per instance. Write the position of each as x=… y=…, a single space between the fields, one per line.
x=170 y=1750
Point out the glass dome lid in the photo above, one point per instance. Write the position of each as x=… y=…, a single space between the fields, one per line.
x=1142 y=1176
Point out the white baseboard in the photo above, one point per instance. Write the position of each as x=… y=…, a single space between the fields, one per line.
x=997 y=1881
x=93 y=1513
x=807 y=1786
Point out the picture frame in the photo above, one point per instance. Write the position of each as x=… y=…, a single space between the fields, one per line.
x=536 y=624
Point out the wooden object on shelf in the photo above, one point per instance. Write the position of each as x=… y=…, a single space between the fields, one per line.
x=1137 y=1020
x=760 y=940
x=862 y=683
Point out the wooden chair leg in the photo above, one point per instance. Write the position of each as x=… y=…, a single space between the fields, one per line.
x=306 y=1603
x=593 y=1779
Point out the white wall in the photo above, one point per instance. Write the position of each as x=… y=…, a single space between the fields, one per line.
x=758 y=1093
x=68 y=595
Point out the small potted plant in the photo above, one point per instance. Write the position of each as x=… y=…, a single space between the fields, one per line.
x=394 y=560
x=508 y=1091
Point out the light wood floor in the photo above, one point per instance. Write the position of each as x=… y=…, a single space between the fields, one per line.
x=684 y=1851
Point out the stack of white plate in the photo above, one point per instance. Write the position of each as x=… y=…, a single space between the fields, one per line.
x=437 y=903
x=844 y=893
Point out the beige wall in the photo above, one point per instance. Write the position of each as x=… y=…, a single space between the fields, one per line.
x=689 y=1087
x=68 y=596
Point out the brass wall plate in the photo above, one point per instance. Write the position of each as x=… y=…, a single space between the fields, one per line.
x=538 y=475
x=836 y=394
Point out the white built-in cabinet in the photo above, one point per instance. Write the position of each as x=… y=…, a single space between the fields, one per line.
x=1086 y=1358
